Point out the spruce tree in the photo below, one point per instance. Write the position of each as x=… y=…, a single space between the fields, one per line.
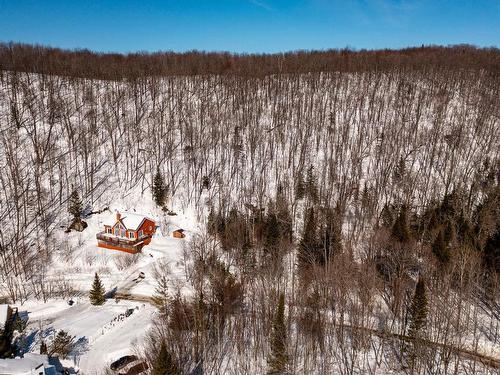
x=63 y=344
x=97 y=292
x=43 y=348
x=283 y=215
x=272 y=231
x=161 y=298
x=159 y=188
x=278 y=357
x=400 y=229
x=300 y=188
x=75 y=205
x=164 y=363
x=386 y=216
x=418 y=309
x=440 y=249
x=308 y=243
x=212 y=222
x=311 y=186
x=331 y=236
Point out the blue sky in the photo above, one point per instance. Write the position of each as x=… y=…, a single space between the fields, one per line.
x=248 y=25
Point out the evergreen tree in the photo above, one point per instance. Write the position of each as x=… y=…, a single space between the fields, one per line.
x=331 y=236
x=300 y=188
x=387 y=216
x=418 y=309
x=366 y=197
x=159 y=188
x=75 y=205
x=400 y=229
x=492 y=252
x=399 y=171
x=272 y=228
x=308 y=243
x=283 y=215
x=97 y=292
x=205 y=183
x=164 y=363
x=212 y=222
x=63 y=344
x=43 y=348
x=161 y=298
x=440 y=249
x=278 y=357
x=311 y=186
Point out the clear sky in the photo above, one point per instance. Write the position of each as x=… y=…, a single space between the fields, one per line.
x=248 y=25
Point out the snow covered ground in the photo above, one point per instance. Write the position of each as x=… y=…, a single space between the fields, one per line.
x=103 y=333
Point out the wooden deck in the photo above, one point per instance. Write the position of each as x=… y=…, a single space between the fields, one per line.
x=123 y=244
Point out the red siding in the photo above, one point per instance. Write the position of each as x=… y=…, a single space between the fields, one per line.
x=148 y=227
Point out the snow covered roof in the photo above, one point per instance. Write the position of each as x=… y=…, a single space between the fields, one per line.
x=130 y=220
x=4 y=314
x=26 y=365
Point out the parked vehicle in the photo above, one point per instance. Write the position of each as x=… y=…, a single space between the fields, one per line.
x=129 y=312
x=134 y=368
x=122 y=362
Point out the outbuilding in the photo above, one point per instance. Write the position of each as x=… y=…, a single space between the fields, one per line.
x=178 y=233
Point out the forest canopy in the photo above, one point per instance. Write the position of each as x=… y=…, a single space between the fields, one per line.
x=114 y=66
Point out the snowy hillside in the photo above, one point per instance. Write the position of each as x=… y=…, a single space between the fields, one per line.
x=335 y=222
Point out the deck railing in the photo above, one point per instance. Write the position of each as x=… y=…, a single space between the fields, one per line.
x=103 y=236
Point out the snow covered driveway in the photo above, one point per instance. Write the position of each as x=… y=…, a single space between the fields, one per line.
x=103 y=333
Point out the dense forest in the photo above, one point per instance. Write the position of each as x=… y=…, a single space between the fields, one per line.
x=349 y=200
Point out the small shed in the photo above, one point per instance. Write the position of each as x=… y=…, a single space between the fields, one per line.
x=178 y=233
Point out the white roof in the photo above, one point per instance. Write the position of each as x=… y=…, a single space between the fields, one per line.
x=4 y=310
x=22 y=366
x=131 y=220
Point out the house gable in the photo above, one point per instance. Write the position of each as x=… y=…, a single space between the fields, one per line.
x=128 y=233
x=147 y=226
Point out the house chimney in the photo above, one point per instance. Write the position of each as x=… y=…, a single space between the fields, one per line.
x=118 y=216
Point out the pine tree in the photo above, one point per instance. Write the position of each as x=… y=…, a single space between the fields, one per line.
x=366 y=197
x=97 y=292
x=386 y=216
x=440 y=249
x=164 y=363
x=331 y=236
x=400 y=229
x=308 y=243
x=75 y=205
x=399 y=171
x=418 y=309
x=311 y=186
x=300 y=188
x=283 y=215
x=63 y=344
x=278 y=357
x=272 y=230
x=161 y=297
x=43 y=348
x=159 y=188
x=212 y=222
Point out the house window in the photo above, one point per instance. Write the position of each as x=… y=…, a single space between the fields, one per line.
x=122 y=233
x=130 y=234
x=117 y=231
x=141 y=233
x=108 y=230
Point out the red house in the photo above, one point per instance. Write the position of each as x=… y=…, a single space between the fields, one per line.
x=130 y=233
